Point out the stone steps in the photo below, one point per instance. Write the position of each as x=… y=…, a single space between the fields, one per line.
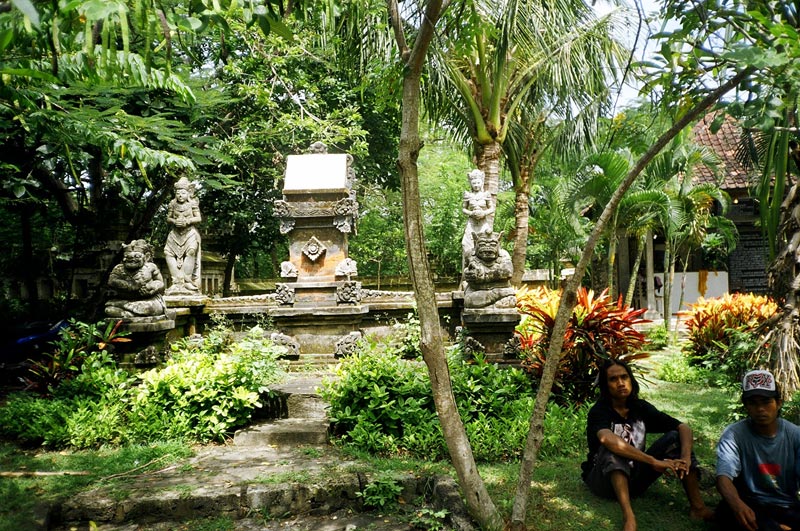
x=304 y=417
x=234 y=481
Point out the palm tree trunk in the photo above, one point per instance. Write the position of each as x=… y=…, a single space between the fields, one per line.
x=634 y=272
x=488 y=159
x=521 y=214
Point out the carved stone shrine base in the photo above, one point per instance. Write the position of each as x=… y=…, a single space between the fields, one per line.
x=491 y=330
x=322 y=335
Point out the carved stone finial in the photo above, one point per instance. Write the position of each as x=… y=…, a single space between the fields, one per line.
x=318 y=147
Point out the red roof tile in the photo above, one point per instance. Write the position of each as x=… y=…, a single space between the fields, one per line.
x=724 y=142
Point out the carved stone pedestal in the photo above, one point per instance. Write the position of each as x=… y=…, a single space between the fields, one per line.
x=318 y=336
x=147 y=340
x=491 y=331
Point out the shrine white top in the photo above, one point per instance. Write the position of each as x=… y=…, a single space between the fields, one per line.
x=316 y=172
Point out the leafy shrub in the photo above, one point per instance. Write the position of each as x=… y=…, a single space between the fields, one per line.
x=658 y=338
x=202 y=393
x=723 y=331
x=383 y=404
x=677 y=369
x=205 y=390
x=407 y=337
x=66 y=357
x=383 y=491
x=599 y=329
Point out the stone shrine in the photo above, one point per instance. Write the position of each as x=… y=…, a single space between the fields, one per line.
x=318 y=212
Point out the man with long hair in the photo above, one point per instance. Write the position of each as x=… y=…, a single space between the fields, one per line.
x=618 y=465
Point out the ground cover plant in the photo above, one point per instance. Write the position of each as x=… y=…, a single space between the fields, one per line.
x=600 y=328
x=382 y=403
x=205 y=390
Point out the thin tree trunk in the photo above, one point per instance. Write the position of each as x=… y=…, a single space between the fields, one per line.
x=479 y=502
x=635 y=273
x=569 y=296
x=28 y=269
x=228 y=279
x=612 y=255
x=521 y=214
x=669 y=279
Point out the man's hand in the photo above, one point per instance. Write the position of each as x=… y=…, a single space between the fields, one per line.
x=745 y=516
x=681 y=467
x=677 y=466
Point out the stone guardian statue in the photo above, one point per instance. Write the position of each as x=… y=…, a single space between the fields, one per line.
x=136 y=285
x=182 y=250
x=487 y=274
x=478 y=206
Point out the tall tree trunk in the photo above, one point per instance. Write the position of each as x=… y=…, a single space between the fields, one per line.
x=228 y=279
x=569 y=297
x=28 y=267
x=479 y=502
x=521 y=214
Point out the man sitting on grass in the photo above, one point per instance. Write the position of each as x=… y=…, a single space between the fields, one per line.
x=758 y=463
x=618 y=465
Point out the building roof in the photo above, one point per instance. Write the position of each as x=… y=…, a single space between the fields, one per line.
x=735 y=177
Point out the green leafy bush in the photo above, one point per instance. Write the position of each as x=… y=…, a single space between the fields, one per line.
x=677 y=369
x=65 y=358
x=383 y=404
x=658 y=338
x=204 y=391
x=723 y=332
x=599 y=329
x=382 y=492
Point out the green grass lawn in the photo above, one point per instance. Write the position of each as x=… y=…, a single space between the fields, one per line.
x=559 y=500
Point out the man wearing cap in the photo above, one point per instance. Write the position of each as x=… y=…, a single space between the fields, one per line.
x=758 y=463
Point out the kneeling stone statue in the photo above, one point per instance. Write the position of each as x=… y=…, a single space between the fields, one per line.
x=487 y=274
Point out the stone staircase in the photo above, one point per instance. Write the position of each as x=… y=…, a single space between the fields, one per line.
x=303 y=418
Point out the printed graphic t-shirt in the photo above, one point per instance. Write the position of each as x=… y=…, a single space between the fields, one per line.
x=643 y=418
x=765 y=469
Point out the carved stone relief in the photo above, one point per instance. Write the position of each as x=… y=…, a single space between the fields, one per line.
x=349 y=292
x=284 y=294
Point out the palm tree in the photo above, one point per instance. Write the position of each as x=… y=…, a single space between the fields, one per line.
x=691 y=213
x=527 y=63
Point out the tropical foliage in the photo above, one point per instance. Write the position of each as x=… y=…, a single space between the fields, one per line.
x=725 y=331
x=599 y=329
x=382 y=403
x=202 y=393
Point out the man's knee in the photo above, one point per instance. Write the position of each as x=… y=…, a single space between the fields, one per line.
x=599 y=478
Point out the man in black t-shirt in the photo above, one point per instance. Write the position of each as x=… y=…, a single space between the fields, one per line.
x=618 y=465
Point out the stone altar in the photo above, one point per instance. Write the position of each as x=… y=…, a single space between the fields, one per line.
x=318 y=212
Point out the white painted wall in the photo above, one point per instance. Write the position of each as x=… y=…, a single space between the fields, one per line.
x=716 y=285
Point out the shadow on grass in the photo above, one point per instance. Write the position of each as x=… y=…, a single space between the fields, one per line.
x=560 y=501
